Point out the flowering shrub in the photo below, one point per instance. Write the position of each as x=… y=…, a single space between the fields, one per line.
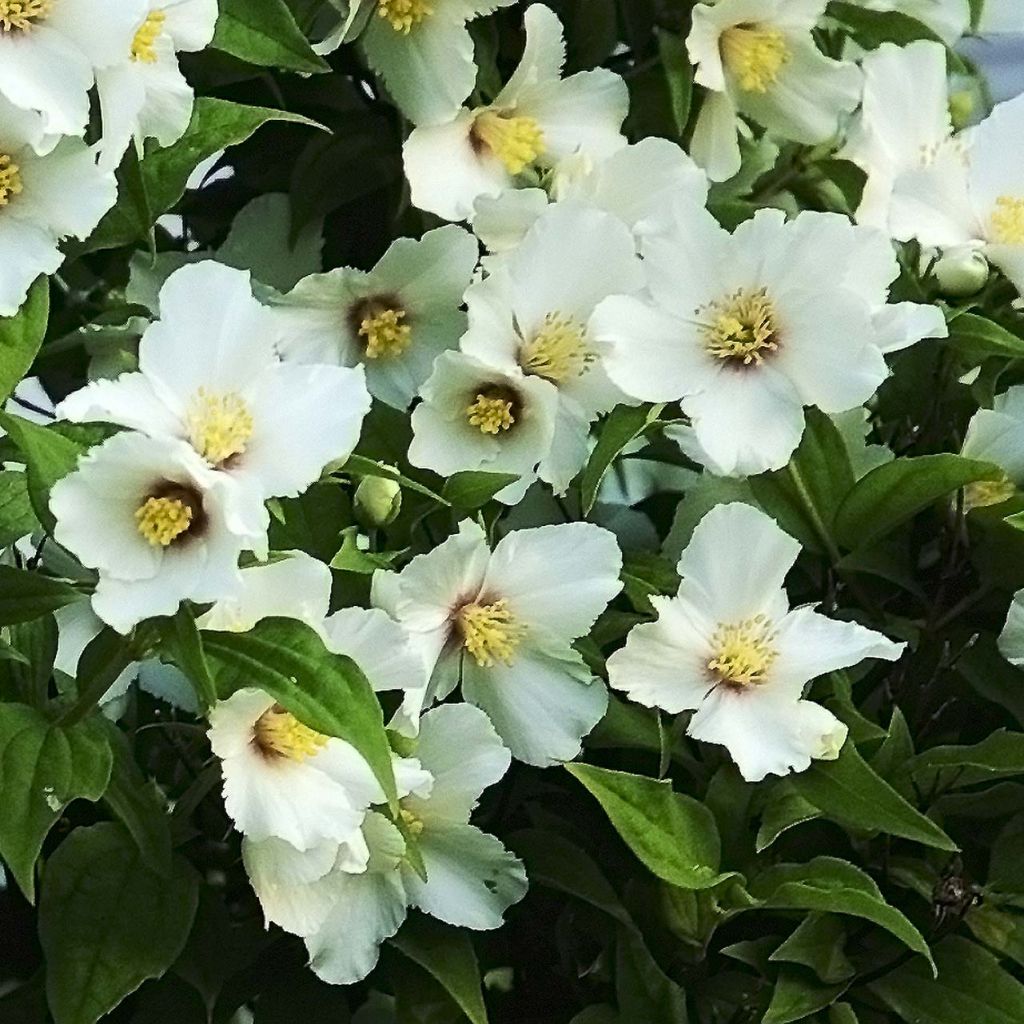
x=510 y=512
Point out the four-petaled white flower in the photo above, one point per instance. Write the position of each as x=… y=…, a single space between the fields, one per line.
x=535 y=122
x=210 y=375
x=997 y=435
x=747 y=329
x=971 y=194
x=50 y=51
x=758 y=59
x=502 y=623
x=157 y=524
x=144 y=95
x=394 y=320
x=43 y=199
x=729 y=648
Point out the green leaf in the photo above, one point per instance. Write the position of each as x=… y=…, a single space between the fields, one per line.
x=673 y=835
x=785 y=809
x=352 y=558
x=34 y=650
x=998 y=755
x=679 y=76
x=21 y=336
x=797 y=995
x=643 y=990
x=17 y=519
x=624 y=424
x=447 y=955
x=849 y=791
x=466 y=492
x=836 y=886
x=216 y=124
x=890 y=495
x=182 y=642
x=971 y=986
x=266 y=34
x=48 y=456
x=43 y=767
x=26 y=595
x=325 y=691
x=976 y=338
x=108 y=922
x=818 y=943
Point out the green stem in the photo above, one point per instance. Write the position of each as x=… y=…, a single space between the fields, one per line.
x=820 y=527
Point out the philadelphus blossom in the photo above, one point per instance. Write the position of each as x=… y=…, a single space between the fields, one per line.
x=43 y=199
x=157 y=524
x=632 y=184
x=50 y=51
x=747 y=329
x=997 y=435
x=537 y=120
x=729 y=648
x=758 y=59
x=209 y=375
x=530 y=319
x=971 y=195
x=903 y=122
x=144 y=94
x=394 y=320
x=502 y=623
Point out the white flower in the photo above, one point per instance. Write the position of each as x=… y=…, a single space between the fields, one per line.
x=156 y=523
x=949 y=19
x=530 y=319
x=999 y=16
x=903 y=122
x=997 y=435
x=209 y=374
x=393 y=320
x=503 y=623
x=632 y=184
x=471 y=879
x=1011 y=639
x=728 y=647
x=749 y=328
x=475 y=416
x=43 y=199
x=971 y=194
x=537 y=120
x=758 y=59
x=283 y=780
x=144 y=94
x=50 y=50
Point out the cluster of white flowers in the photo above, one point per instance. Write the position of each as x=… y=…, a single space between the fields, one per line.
x=605 y=281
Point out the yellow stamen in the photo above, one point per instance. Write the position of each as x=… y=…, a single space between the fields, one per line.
x=10 y=179
x=491 y=414
x=144 y=43
x=741 y=328
x=490 y=632
x=743 y=652
x=1008 y=221
x=755 y=55
x=219 y=425
x=386 y=334
x=516 y=141
x=23 y=15
x=413 y=822
x=983 y=493
x=404 y=15
x=558 y=350
x=278 y=733
x=162 y=520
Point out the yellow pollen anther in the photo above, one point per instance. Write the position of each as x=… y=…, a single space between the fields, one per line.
x=558 y=350
x=983 y=493
x=387 y=336
x=1008 y=221
x=413 y=822
x=740 y=328
x=10 y=179
x=23 y=15
x=143 y=45
x=404 y=15
x=743 y=652
x=755 y=55
x=490 y=632
x=516 y=141
x=491 y=414
x=219 y=425
x=278 y=733
x=163 y=520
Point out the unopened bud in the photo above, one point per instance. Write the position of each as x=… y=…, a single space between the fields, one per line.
x=961 y=108
x=961 y=272
x=378 y=501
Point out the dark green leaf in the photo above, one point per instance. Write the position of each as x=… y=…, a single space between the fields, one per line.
x=21 y=335
x=624 y=424
x=976 y=338
x=466 y=492
x=17 y=519
x=181 y=641
x=26 y=595
x=797 y=995
x=818 y=943
x=266 y=34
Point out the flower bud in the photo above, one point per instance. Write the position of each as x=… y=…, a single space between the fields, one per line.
x=378 y=501
x=961 y=272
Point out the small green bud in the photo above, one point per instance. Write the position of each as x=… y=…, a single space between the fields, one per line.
x=378 y=501
x=961 y=272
